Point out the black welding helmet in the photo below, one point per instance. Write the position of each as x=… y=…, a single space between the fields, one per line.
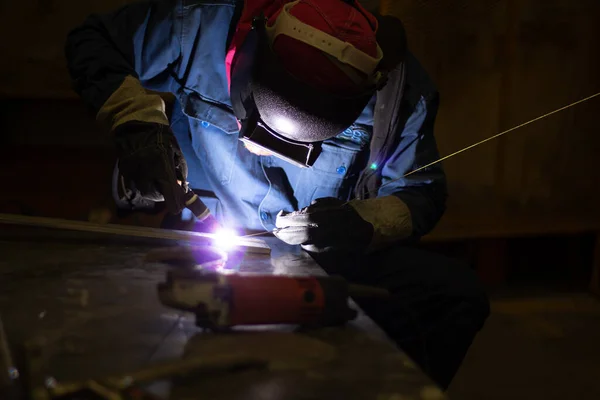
x=283 y=114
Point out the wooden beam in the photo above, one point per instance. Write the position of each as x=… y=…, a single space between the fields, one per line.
x=595 y=282
x=251 y=245
x=495 y=224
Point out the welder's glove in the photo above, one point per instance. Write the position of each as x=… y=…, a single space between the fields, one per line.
x=152 y=163
x=150 y=159
x=359 y=226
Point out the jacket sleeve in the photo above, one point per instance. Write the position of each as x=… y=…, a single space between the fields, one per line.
x=138 y=40
x=424 y=192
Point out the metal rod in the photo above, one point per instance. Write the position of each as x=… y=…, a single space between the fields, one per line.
x=251 y=245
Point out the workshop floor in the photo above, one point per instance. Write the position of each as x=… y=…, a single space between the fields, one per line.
x=537 y=344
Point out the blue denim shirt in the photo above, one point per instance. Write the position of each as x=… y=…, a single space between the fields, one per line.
x=179 y=47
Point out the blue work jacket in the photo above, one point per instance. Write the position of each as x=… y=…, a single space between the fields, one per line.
x=179 y=47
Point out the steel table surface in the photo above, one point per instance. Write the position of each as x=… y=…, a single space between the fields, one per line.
x=93 y=301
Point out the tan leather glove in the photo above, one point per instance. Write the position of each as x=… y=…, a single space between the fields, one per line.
x=390 y=218
x=131 y=102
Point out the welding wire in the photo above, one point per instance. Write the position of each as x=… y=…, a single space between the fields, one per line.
x=494 y=137
x=259 y=233
x=471 y=146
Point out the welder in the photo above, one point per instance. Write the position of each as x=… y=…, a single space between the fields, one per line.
x=300 y=118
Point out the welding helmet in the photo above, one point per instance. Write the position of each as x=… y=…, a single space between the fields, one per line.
x=288 y=116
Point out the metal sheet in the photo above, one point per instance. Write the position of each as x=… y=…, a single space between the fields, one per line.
x=93 y=305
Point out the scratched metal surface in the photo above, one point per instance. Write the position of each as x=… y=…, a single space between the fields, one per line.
x=93 y=301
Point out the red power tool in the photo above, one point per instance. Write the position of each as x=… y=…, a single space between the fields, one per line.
x=224 y=300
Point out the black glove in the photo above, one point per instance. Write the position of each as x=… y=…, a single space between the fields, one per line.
x=328 y=224
x=152 y=163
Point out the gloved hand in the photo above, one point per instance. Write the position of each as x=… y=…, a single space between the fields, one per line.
x=150 y=160
x=358 y=226
x=152 y=163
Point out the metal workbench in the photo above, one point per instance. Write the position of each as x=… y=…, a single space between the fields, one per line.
x=92 y=300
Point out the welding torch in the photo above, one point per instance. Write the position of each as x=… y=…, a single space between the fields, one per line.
x=204 y=220
x=200 y=210
x=191 y=200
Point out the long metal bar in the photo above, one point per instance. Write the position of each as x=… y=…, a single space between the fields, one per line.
x=251 y=245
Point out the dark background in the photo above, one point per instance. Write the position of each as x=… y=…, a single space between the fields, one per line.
x=523 y=209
